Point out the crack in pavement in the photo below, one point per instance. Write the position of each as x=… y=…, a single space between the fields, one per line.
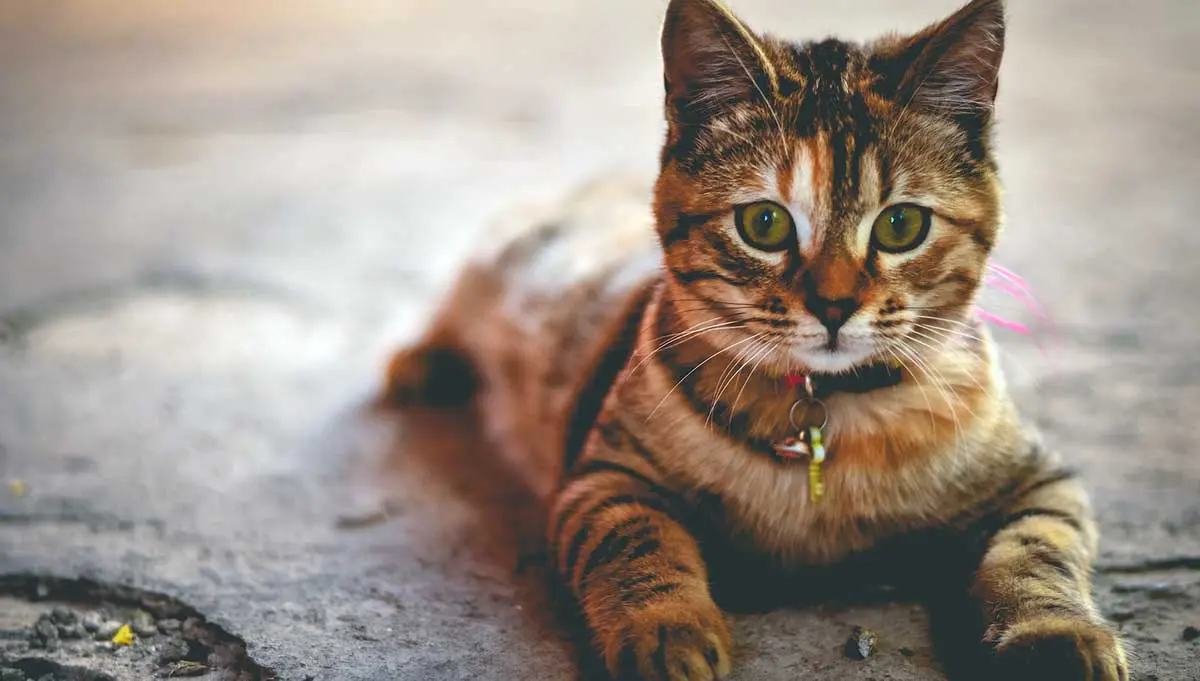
x=18 y=323
x=1160 y=565
x=218 y=649
x=92 y=522
x=38 y=668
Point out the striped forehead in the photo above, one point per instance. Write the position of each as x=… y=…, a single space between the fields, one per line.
x=830 y=115
x=807 y=181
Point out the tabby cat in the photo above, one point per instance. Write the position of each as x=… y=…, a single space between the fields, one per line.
x=769 y=361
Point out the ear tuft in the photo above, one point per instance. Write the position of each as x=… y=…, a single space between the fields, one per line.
x=710 y=60
x=950 y=68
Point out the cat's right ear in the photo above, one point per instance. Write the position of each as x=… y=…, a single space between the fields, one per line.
x=711 y=60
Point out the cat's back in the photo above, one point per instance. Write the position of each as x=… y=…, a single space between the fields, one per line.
x=540 y=302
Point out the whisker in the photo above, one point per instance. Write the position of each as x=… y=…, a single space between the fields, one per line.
x=684 y=337
x=697 y=368
x=928 y=344
x=943 y=387
x=727 y=375
x=770 y=350
x=948 y=334
x=940 y=374
x=925 y=395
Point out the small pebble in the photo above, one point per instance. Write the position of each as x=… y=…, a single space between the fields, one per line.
x=190 y=626
x=169 y=626
x=71 y=631
x=45 y=631
x=907 y=652
x=1190 y=634
x=172 y=651
x=42 y=590
x=92 y=621
x=143 y=624
x=861 y=644
x=52 y=645
x=63 y=615
x=107 y=630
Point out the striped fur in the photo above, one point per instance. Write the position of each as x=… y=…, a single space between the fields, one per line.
x=630 y=346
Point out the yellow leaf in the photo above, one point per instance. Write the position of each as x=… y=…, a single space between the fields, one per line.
x=17 y=488
x=124 y=636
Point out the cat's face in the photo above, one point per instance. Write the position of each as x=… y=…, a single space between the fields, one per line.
x=831 y=204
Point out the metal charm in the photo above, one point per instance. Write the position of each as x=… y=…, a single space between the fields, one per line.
x=809 y=442
x=793 y=448
x=816 y=477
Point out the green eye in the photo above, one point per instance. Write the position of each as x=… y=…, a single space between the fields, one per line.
x=900 y=228
x=765 y=225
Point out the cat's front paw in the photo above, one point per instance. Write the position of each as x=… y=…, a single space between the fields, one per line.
x=671 y=642
x=1060 y=649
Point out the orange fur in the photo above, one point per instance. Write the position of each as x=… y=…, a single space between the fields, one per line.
x=631 y=347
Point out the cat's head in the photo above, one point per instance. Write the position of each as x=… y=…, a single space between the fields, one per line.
x=837 y=201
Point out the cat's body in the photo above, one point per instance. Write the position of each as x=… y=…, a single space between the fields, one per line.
x=634 y=348
x=536 y=310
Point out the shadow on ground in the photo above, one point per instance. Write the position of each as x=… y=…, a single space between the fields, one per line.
x=506 y=534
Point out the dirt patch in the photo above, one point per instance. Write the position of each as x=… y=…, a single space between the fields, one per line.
x=79 y=630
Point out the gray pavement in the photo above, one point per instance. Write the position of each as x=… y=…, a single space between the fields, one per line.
x=216 y=218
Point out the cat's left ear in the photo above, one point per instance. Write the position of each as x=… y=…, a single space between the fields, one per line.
x=711 y=60
x=950 y=68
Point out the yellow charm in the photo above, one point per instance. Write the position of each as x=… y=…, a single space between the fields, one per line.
x=124 y=636
x=816 y=478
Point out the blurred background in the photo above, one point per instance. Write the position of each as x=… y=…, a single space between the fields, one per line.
x=216 y=218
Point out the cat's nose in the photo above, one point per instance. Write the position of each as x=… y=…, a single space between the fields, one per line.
x=832 y=313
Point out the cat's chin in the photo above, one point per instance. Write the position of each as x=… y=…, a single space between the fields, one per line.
x=823 y=361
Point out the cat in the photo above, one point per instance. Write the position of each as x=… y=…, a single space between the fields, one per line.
x=768 y=358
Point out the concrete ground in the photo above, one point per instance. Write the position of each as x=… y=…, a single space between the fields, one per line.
x=216 y=218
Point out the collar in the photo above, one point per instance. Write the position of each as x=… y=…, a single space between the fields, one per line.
x=861 y=380
x=808 y=444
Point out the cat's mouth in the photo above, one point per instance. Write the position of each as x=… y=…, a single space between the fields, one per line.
x=834 y=353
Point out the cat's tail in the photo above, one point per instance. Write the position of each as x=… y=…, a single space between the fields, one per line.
x=430 y=374
x=437 y=370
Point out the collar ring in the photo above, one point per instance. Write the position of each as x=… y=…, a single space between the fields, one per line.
x=808 y=404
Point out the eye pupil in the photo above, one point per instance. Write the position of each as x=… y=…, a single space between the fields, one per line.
x=765 y=220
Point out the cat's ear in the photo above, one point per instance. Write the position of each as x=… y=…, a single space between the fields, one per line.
x=952 y=67
x=710 y=60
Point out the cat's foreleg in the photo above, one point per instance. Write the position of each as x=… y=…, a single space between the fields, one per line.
x=636 y=570
x=1034 y=584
